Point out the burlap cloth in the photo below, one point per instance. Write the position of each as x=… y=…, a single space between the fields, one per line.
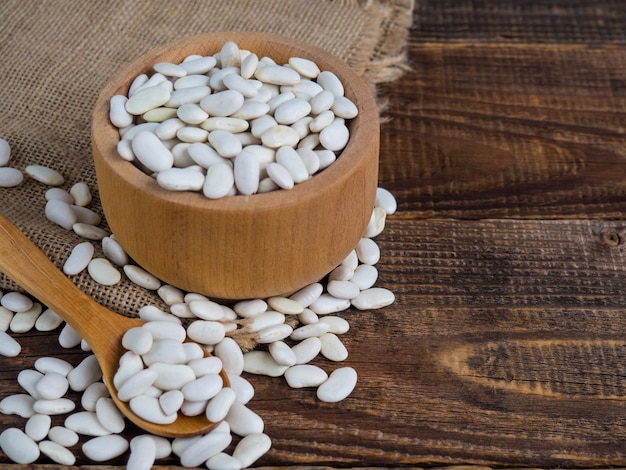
x=57 y=54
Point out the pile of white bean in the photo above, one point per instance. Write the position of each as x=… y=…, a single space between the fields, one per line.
x=232 y=123
x=290 y=332
x=97 y=422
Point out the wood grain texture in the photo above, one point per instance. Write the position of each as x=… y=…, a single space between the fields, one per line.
x=508 y=131
x=504 y=347
x=541 y=21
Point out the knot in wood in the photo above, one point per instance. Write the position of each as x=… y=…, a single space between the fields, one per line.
x=611 y=238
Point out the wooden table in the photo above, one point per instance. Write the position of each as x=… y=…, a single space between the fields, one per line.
x=505 y=347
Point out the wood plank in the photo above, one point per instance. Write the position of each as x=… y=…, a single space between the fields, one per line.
x=517 y=21
x=504 y=347
x=498 y=131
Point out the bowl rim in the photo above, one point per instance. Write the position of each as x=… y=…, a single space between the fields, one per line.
x=364 y=128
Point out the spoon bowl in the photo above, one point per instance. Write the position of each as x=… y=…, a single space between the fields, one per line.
x=103 y=329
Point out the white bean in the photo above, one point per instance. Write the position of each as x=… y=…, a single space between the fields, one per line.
x=305 y=375
x=103 y=272
x=68 y=337
x=338 y=325
x=10 y=177
x=84 y=374
x=223 y=461
x=49 y=320
x=334 y=137
x=45 y=175
x=16 y=302
x=220 y=404
x=60 y=194
x=52 y=364
x=9 y=347
x=364 y=276
x=141 y=277
x=143 y=453
x=243 y=421
x=368 y=251
x=332 y=348
x=57 y=453
x=63 y=436
x=52 y=385
x=171 y=401
x=344 y=107
x=339 y=385
x=243 y=388
x=279 y=136
x=19 y=404
x=25 y=321
x=222 y=103
x=292 y=110
x=343 y=289
x=5 y=152
x=329 y=81
x=151 y=152
x=204 y=448
x=146 y=99
x=262 y=363
x=386 y=201
x=114 y=251
x=103 y=448
x=282 y=353
x=79 y=258
x=230 y=355
x=307 y=349
x=203 y=388
x=310 y=330
x=6 y=316
x=61 y=213
x=37 y=427
x=86 y=423
x=376 y=223
x=251 y=109
x=246 y=173
x=86 y=215
x=308 y=294
x=373 y=298
x=88 y=231
x=206 y=332
x=172 y=376
x=273 y=333
x=92 y=394
x=148 y=408
x=206 y=365
x=200 y=65
x=18 y=446
x=326 y=304
x=57 y=406
x=109 y=415
x=129 y=365
x=251 y=448
x=225 y=143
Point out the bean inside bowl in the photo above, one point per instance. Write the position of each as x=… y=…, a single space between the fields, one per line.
x=240 y=246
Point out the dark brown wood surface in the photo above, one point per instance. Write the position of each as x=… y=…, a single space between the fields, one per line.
x=506 y=345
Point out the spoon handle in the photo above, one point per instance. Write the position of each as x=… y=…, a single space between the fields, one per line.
x=31 y=269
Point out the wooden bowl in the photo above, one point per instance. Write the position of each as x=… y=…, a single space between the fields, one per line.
x=240 y=247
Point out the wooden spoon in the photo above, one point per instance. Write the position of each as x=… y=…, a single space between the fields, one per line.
x=103 y=329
